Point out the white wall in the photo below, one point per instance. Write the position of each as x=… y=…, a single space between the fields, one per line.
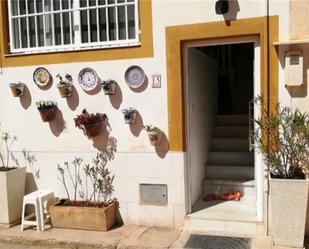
x=202 y=98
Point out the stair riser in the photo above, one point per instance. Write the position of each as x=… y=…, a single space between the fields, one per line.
x=231 y=132
x=232 y=120
x=248 y=192
x=230 y=145
x=229 y=172
x=228 y=158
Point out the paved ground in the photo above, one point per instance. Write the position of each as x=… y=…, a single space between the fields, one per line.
x=13 y=246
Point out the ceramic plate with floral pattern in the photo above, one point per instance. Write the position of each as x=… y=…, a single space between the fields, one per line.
x=135 y=76
x=88 y=79
x=41 y=76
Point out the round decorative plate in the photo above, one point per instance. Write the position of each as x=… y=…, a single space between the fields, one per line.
x=41 y=76
x=135 y=76
x=88 y=79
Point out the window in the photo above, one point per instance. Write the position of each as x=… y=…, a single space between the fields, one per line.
x=53 y=25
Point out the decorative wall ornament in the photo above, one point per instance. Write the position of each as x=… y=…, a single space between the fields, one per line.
x=109 y=86
x=129 y=115
x=17 y=89
x=47 y=110
x=41 y=77
x=88 y=79
x=65 y=85
x=135 y=76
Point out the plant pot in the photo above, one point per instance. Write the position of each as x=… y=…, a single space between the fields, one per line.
x=87 y=218
x=288 y=211
x=155 y=137
x=17 y=89
x=48 y=114
x=129 y=115
x=109 y=87
x=93 y=129
x=65 y=90
x=12 y=189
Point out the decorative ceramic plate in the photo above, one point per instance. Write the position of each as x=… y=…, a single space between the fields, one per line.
x=135 y=76
x=88 y=79
x=41 y=76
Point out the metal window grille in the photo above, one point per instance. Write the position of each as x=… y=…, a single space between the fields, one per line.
x=55 y=25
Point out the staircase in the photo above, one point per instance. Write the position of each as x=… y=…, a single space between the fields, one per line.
x=230 y=167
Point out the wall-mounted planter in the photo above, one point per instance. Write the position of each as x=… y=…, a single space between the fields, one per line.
x=154 y=134
x=90 y=123
x=129 y=115
x=109 y=87
x=17 y=89
x=47 y=109
x=65 y=85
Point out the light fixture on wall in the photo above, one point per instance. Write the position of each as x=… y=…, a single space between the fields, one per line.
x=222 y=7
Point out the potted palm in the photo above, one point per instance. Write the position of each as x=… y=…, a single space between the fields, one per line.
x=65 y=85
x=154 y=134
x=12 y=183
x=95 y=209
x=90 y=123
x=282 y=138
x=47 y=109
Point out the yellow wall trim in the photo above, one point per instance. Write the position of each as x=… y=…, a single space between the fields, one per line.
x=176 y=35
x=144 y=50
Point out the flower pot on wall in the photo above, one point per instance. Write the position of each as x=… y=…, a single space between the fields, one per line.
x=109 y=87
x=12 y=189
x=129 y=115
x=48 y=114
x=87 y=218
x=288 y=199
x=17 y=89
x=93 y=129
x=65 y=90
x=155 y=137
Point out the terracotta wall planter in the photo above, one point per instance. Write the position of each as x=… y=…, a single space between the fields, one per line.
x=48 y=114
x=12 y=191
x=65 y=90
x=155 y=137
x=93 y=129
x=87 y=218
x=17 y=89
x=288 y=211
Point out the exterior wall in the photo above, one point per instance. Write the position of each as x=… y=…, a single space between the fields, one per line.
x=135 y=160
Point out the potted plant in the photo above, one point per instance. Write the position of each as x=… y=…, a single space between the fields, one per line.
x=90 y=123
x=129 y=115
x=12 y=183
x=154 y=134
x=65 y=85
x=282 y=138
x=17 y=89
x=47 y=110
x=109 y=87
x=95 y=210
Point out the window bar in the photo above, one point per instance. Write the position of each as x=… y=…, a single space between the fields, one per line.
x=19 y=24
x=70 y=21
x=36 y=25
x=136 y=20
x=61 y=23
x=107 y=24
x=12 y=37
x=52 y=22
x=44 y=29
x=126 y=20
x=88 y=20
x=98 y=24
x=116 y=20
x=76 y=23
x=27 y=25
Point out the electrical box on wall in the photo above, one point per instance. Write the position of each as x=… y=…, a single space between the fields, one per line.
x=153 y=194
x=293 y=71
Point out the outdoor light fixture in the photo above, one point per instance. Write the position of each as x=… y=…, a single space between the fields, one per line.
x=222 y=7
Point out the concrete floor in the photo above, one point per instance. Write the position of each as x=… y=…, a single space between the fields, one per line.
x=14 y=246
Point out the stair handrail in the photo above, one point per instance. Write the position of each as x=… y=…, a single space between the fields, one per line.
x=251 y=124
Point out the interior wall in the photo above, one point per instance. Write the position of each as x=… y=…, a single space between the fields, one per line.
x=202 y=92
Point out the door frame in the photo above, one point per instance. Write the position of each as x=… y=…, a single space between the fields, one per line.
x=258 y=163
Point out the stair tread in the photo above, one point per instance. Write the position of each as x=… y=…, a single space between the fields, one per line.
x=243 y=182
x=229 y=166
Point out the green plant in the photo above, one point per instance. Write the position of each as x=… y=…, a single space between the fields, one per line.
x=150 y=128
x=282 y=137
x=43 y=105
x=67 y=81
x=7 y=142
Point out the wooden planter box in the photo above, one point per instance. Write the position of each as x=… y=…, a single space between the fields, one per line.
x=86 y=218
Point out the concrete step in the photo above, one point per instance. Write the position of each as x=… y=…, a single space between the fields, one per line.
x=222 y=186
x=231 y=132
x=230 y=144
x=229 y=172
x=232 y=120
x=235 y=158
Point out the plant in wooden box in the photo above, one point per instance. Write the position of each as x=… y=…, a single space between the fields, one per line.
x=96 y=210
x=12 y=183
x=47 y=109
x=65 y=85
x=17 y=89
x=282 y=138
x=90 y=123
x=154 y=134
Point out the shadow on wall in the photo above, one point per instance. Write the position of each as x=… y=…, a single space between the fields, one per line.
x=163 y=147
x=57 y=125
x=26 y=99
x=232 y=13
x=73 y=100
x=137 y=126
x=116 y=99
x=142 y=87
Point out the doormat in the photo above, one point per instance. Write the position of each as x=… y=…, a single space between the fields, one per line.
x=196 y=241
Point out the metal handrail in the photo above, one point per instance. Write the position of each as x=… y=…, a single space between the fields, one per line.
x=251 y=124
